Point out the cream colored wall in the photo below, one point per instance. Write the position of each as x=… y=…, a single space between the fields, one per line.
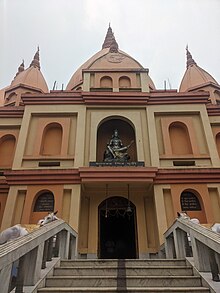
x=26 y=155
x=88 y=239
x=204 y=138
x=9 y=214
x=161 y=216
x=214 y=193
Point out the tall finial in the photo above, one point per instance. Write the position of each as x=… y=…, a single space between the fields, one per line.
x=36 y=60
x=113 y=46
x=189 y=60
x=20 y=68
x=109 y=38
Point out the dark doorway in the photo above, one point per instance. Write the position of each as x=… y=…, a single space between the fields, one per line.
x=117 y=229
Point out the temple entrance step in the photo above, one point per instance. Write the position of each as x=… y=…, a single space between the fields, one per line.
x=150 y=275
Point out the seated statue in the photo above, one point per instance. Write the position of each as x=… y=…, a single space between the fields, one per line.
x=116 y=151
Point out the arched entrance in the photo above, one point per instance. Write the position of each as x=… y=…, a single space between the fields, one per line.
x=117 y=229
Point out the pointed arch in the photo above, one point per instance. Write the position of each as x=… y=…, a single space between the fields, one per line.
x=180 y=139
x=52 y=140
x=7 y=149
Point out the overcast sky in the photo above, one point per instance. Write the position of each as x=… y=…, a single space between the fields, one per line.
x=154 y=32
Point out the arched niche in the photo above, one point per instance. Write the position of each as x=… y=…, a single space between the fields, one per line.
x=106 y=82
x=7 y=149
x=126 y=133
x=52 y=140
x=124 y=82
x=11 y=98
x=180 y=139
x=191 y=202
x=217 y=138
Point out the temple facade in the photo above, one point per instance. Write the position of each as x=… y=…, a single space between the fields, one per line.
x=115 y=156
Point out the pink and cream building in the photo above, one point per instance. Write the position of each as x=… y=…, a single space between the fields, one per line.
x=52 y=145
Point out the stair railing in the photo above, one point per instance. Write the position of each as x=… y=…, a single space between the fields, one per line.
x=185 y=237
x=31 y=253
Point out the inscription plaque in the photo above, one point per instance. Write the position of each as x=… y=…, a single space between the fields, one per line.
x=189 y=202
x=44 y=203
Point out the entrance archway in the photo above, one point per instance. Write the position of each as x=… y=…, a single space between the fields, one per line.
x=117 y=229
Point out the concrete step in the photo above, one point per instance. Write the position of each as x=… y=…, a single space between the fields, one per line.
x=129 y=271
x=123 y=290
x=130 y=276
x=128 y=281
x=119 y=262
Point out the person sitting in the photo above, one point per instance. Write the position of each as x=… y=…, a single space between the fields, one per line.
x=116 y=151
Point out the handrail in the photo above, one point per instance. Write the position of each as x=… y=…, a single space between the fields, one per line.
x=203 y=242
x=33 y=251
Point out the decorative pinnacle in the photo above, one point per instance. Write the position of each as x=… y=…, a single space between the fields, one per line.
x=20 y=68
x=36 y=60
x=109 y=38
x=113 y=46
x=189 y=60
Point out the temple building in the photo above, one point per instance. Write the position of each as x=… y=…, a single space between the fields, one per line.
x=116 y=157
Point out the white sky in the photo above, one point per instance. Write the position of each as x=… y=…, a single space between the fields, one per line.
x=154 y=32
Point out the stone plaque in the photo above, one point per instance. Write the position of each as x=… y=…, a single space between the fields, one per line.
x=44 y=203
x=189 y=202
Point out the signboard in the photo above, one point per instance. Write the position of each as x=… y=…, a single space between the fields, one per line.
x=44 y=203
x=189 y=202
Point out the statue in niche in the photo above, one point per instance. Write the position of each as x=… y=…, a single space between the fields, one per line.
x=116 y=151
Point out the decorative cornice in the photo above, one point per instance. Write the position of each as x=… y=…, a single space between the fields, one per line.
x=38 y=177
x=117 y=174
x=109 y=174
x=3 y=186
x=197 y=175
x=113 y=98
x=213 y=110
x=12 y=112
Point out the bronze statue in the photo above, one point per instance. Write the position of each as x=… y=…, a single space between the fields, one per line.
x=116 y=151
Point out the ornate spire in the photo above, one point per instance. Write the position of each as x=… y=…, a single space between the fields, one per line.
x=20 y=68
x=36 y=60
x=108 y=38
x=189 y=60
x=113 y=46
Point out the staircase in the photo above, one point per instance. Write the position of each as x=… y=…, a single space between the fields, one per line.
x=108 y=276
